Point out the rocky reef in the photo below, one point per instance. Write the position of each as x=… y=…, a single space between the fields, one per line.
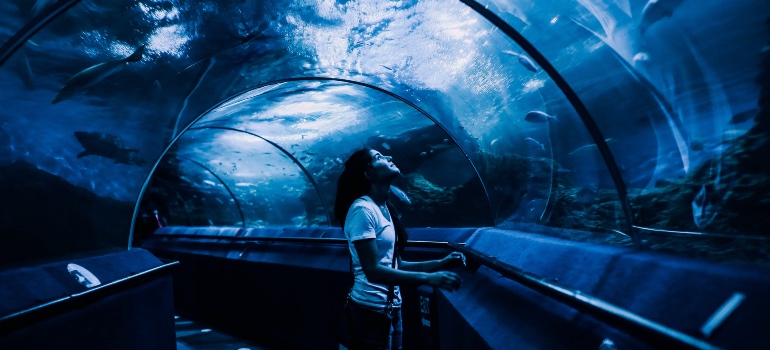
x=436 y=206
x=728 y=195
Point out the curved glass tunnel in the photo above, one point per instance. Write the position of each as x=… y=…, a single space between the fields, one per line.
x=240 y=113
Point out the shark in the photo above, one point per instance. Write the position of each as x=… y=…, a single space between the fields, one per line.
x=94 y=74
x=108 y=146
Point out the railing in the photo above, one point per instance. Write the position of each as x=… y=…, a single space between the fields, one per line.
x=36 y=313
x=644 y=329
x=649 y=331
x=301 y=240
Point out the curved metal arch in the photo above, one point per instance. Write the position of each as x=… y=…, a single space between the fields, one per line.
x=273 y=82
x=577 y=104
x=407 y=102
x=237 y=204
x=32 y=27
x=294 y=159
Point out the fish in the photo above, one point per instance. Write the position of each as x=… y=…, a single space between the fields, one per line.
x=539 y=117
x=423 y=154
x=732 y=134
x=107 y=146
x=703 y=211
x=585 y=195
x=744 y=116
x=589 y=147
x=94 y=74
x=608 y=344
x=656 y=10
x=400 y=194
x=533 y=141
x=523 y=60
x=641 y=57
x=386 y=146
x=439 y=147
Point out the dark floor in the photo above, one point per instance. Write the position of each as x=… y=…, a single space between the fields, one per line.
x=193 y=336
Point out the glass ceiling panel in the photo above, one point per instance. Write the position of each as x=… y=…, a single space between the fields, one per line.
x=321 y=122
x=271 y=190
x=180 y=202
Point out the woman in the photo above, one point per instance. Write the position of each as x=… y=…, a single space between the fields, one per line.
x=374 y=238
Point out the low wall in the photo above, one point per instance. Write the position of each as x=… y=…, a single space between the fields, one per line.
x=290 y=294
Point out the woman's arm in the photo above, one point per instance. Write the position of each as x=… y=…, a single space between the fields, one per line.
x=452 y=260
x=376 y=273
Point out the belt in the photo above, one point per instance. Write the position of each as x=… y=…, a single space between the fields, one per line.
x=383 y=308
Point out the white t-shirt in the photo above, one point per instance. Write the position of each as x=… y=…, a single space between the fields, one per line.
x=365 y=220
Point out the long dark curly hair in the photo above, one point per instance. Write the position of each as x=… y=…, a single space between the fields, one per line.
x=353 y=184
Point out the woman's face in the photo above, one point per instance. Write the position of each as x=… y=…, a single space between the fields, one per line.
x=383 y=167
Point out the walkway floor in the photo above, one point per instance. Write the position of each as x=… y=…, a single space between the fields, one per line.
x=193 y=336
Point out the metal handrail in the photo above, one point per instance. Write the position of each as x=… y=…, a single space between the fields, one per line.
x=30 y=315
x=644 y=329
x=669 y=233
x=279 y=81
x=312 y=240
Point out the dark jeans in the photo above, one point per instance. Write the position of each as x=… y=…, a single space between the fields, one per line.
x=365 y=323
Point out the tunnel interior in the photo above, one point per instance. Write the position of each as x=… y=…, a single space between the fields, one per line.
x=619 y=122
x=631 y=124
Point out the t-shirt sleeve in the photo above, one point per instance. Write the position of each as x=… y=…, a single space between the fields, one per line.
x=360 y=224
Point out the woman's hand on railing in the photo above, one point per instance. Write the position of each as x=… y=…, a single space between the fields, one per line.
x=453 y=260
x=445 y=280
